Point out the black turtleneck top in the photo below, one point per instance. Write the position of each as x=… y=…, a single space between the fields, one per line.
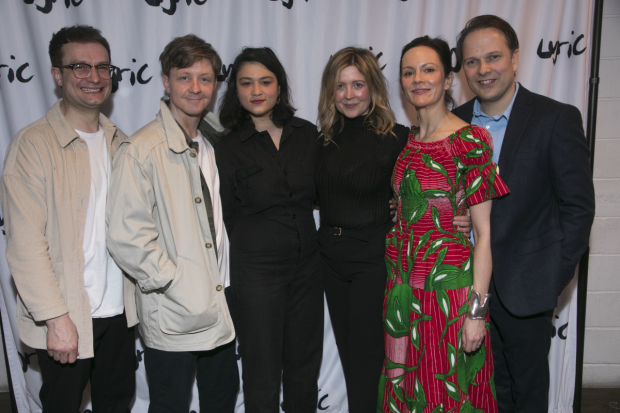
x=353 y=175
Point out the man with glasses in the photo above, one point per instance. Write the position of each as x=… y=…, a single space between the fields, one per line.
x=74 y=305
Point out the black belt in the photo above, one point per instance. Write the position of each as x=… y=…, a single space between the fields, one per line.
x=365 y=234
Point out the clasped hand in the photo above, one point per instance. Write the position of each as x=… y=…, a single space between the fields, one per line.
x=472 y=334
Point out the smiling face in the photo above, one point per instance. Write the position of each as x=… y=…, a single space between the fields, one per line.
x=83 y=95
x=190 y=90
x=352 y=97
x=422 y=77
x=257 y=89
x=490 y=68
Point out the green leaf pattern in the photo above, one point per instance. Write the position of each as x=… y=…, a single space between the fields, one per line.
x=403 y=310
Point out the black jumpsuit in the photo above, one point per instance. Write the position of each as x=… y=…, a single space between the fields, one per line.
x=268 y=197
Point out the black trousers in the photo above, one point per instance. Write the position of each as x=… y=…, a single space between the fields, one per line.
x=171 y=377
x=355 y=277
x=279 y=322
x=520 y=354
x=111 y=372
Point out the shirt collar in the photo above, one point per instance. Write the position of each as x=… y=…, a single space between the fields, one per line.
x=479 y=113
x=65 y=133
x=248 y=130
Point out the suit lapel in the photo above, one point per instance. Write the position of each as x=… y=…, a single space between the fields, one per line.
x=521 y=111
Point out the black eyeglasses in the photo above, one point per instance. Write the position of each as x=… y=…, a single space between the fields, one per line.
x=82 y=70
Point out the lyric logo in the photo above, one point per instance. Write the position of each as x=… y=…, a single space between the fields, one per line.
x=225 y=72
x=378 y=56
x=173 y=4
x=561 y=332
x=456 y=67
x=138 y=76
x=25 y=359
x=47 y=7
x=138 y=358
x=322 y=401
x=288 y=4
x=553 y=50
x=16 y=74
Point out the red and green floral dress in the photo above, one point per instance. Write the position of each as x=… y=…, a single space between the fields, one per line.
x=430 y=274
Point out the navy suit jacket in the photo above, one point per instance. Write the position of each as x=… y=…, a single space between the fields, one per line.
x=541 y=229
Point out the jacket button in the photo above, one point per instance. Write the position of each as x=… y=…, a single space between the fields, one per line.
x=208 y=245
x=198 y=200
x=218 y=288
x=192 y=154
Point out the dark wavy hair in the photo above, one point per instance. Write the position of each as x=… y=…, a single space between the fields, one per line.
x=232 y=114
x=74 y=34
x=487 y=21
x=441 y=47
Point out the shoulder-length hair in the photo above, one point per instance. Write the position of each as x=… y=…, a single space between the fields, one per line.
x=232 y=114
x=380 y=116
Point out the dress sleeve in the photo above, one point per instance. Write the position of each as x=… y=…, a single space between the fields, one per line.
x=482 y=181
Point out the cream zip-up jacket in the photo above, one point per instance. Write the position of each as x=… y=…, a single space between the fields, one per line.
x=44 y=191
x=159 y=234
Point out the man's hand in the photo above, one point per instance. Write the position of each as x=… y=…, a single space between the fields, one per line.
x=472 y=335
x=463 y=224
x=62 y=339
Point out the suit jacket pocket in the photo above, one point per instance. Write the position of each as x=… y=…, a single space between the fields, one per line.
x=531 y=245
x=188 y=305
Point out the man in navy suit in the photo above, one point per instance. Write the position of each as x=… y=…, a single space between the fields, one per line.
x=541 y=229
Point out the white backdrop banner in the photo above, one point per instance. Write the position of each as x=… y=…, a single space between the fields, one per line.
x=554 y=61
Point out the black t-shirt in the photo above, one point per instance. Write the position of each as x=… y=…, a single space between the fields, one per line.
x=353 y=175
x=268 y=195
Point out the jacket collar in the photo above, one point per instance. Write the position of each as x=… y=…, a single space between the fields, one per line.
x=174 y=133
x=521 y=111
x=66 y=134
x=178 y=139
x=248 y=130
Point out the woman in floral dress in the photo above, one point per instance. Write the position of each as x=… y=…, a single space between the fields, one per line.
x=438 y=355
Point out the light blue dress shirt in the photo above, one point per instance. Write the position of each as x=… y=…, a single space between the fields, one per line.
x=496 y=125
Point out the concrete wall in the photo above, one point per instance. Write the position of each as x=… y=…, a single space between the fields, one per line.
x=602 y=342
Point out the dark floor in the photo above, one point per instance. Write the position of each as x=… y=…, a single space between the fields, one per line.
x=594 y=400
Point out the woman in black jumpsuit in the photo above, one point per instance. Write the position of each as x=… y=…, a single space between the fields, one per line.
x=266 y=166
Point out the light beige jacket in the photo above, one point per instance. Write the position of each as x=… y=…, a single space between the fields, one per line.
x=159 y=234
x=44 y=191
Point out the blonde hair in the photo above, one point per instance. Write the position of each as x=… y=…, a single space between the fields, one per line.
x=380 y=116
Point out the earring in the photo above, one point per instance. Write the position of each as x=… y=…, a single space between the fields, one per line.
x=278 y=101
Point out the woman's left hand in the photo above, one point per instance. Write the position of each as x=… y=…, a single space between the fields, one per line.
x=472 y=334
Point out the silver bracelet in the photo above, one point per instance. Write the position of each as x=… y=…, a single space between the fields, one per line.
x=477 y=309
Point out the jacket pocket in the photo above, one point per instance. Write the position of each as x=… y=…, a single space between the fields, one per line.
x=188 y=305
x=247 y=171
x=245 y=179
x=532 y=245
